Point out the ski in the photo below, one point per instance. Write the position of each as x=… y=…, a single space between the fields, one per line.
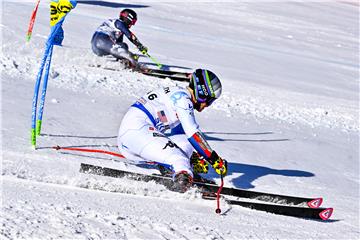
x=293 y=211
x=269 y=197
x=170 y=72
x=178 y=76
x=287 y=210
x=173 y=75
x=236 y=192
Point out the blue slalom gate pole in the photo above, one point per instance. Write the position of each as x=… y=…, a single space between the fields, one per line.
x=43 y=93
x=36 y=94
x=35 y=130
x=58 y=11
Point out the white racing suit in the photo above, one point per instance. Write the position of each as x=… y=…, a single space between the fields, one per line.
x=158 y=127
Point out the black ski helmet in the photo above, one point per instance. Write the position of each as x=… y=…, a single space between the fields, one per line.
x=206 y=86
x=128 y=16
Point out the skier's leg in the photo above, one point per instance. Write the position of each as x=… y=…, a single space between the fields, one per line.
x=183 y=143
x=140 y=138
x=197 y=163
x=101 y=44
x=121 y=51
x=166 y=153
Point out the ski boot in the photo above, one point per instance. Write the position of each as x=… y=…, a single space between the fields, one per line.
x=182 y=182
x=140 y=67
x=164 y=171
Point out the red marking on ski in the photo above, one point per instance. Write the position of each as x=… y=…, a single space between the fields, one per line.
x=326 y=214
x=315 y=203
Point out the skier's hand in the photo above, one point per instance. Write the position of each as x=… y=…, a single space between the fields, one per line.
x=198 y=163
x=219 y=164
x=143 y=49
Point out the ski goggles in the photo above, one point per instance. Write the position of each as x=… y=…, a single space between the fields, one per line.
x=207 y=100
x=132 y=23
x=199 y=92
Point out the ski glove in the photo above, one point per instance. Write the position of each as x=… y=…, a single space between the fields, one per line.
x=142 y=49
x=219 y=164
x=198 y=163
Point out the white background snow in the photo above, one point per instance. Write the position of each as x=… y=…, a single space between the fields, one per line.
x=287 y=122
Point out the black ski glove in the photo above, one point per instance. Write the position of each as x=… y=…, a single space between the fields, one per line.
x=219 y=164
x=142 y=49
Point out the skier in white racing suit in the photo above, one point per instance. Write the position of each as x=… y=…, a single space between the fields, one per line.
x=108 y=38
x=160 y=127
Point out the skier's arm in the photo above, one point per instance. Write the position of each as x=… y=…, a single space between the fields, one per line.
x=200 y=144
x=137 y=43
x=185 y=113
x=131 y=36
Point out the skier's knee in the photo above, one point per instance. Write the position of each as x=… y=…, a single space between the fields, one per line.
x=123 y=46
x=180 y=163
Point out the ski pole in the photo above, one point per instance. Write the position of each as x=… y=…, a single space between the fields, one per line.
x=154 y=60
x=32 y=21
x=218 y=210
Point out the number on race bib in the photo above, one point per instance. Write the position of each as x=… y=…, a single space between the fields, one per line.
x=152 y=96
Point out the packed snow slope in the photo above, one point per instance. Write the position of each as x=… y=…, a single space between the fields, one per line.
x=287 y=122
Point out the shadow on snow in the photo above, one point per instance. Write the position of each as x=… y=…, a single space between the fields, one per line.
x=75 y=136
x=252 y=172
x=249 y=173
x=211 y=138
x=112 y=4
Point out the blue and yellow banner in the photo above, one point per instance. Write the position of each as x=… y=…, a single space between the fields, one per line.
x=59 y=9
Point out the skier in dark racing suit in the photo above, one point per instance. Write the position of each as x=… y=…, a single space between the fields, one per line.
x=108 y=38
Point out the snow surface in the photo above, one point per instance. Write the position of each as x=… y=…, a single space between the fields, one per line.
x=288 y=120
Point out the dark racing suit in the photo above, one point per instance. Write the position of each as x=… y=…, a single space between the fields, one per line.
x=108 y=40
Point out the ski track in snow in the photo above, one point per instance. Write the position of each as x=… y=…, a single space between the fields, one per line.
x=82 y=75
x=66 y=220
x=288 y=120
x=79 y=73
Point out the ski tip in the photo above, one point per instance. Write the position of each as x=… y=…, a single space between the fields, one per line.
x=326 y=214
x=315 y=203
